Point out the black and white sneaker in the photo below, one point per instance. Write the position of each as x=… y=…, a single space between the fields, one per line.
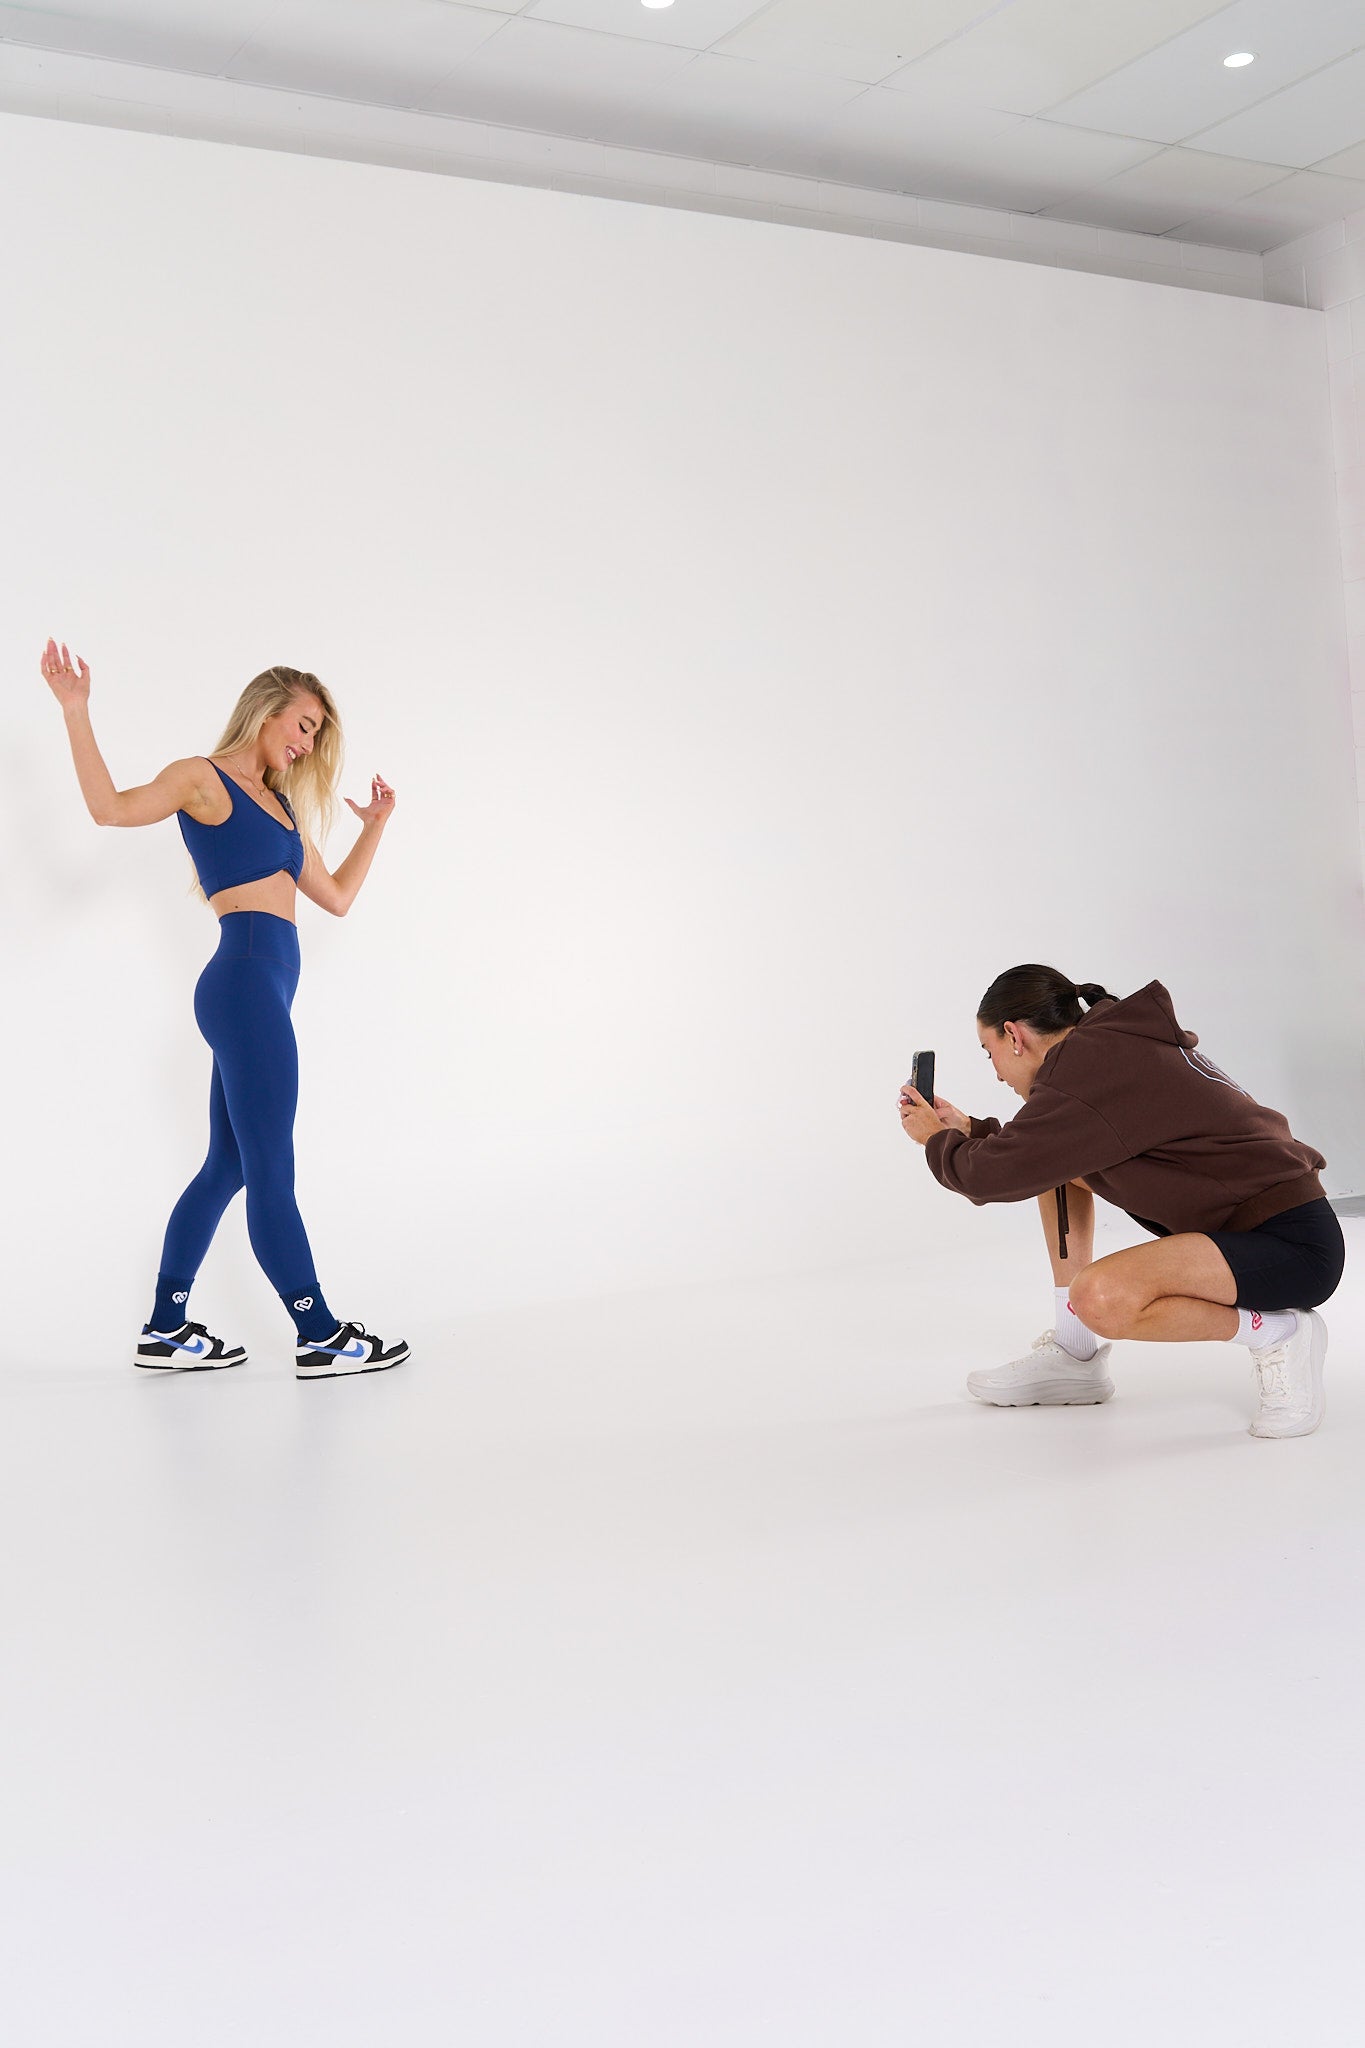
x=188 y=1349
x=352 y=1348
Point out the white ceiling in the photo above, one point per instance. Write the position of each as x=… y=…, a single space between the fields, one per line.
x=1116 y=113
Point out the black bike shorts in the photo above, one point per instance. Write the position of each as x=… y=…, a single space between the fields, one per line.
x=1293 y=1260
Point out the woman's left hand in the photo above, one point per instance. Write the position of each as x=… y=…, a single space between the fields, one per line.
x=379 y=809
x=918 y=1120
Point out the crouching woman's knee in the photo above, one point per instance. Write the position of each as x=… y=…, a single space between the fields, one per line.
x=1102 y=1302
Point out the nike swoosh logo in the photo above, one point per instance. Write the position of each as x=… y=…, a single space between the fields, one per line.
x=351 y=1351
x=193 y=1349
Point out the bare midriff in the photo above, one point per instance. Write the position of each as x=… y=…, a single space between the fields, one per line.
x=275 y=894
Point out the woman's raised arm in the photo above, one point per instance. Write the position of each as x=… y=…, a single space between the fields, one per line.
x=337 y=892
x=175 y=788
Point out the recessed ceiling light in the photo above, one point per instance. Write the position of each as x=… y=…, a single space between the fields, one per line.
x=1242 y=57
x=656 y=3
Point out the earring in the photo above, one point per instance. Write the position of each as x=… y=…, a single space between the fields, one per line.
x=1018 y=1051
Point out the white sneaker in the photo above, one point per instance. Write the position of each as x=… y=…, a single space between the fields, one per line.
x=351 y=1348
x=1048 y=1377
x=191 y=1348
x=1290 y=1400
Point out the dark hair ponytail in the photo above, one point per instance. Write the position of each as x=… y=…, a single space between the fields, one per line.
x=1040 y=997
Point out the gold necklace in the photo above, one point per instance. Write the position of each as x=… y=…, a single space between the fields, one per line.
x=249 y=783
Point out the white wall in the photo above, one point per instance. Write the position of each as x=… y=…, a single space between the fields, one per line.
x=1326 y=270
x=770 y=635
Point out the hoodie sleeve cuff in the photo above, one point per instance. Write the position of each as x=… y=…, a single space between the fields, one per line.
x=936 y=1151
x=943 y=1146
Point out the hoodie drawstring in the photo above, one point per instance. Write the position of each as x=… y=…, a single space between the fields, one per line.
x=1063 y=1222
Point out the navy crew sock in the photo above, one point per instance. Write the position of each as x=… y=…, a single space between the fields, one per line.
x=170 y=1309
x=312 y=1318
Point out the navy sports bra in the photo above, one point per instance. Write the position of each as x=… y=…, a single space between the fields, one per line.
x=246 y=847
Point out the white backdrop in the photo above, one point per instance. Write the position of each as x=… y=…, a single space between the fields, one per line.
x=771 y=636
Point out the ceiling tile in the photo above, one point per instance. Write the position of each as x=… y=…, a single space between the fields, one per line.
x=1347 y=163
x=1106 y=207
x=1229 y=231
x=1192 y=182
x=1183 y=88
x=1040 y=163
x=864 y=40
x=739 y=112
x=350 y=49
x=694 y=25
x=731 y=86
x=1300 y=126
x=1030 y=55
x=902 y=144
x=535 y=74
x=967 y=154
x=155 y=32
x=1296 y=205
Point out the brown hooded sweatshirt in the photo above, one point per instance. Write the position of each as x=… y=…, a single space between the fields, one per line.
x=1125 y=1103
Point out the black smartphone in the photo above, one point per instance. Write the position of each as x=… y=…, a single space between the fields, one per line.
x=922 y=1075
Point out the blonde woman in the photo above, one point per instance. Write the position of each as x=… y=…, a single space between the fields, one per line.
x=251 y=815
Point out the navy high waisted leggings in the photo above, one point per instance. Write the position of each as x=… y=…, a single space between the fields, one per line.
x=241 y=1005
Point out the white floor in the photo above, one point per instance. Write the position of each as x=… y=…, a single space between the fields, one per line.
x=688 y=1671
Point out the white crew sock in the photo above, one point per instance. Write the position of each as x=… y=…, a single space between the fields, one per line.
x=1072 y=1335
x=1259 y=1327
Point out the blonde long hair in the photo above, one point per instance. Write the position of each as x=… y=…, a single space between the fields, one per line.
x=310 y=784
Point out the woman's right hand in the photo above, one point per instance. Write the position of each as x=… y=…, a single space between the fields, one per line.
x=956 y=1119
x=68 y=681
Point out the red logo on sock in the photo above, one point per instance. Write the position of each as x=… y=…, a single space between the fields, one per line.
x=1256 y=1320
x=1070 y=1310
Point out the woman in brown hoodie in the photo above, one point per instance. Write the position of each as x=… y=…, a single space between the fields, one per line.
x=1117 y=1102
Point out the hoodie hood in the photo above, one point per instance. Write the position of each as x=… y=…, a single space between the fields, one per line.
x=1149 y=1013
